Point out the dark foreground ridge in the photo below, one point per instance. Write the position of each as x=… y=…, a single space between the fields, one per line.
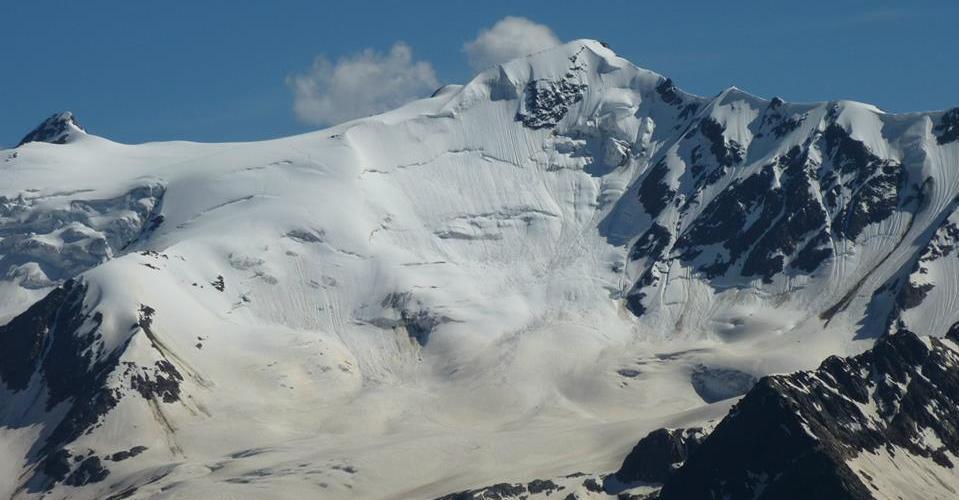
x=795 y=436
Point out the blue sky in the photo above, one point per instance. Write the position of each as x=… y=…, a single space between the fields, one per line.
x=217 y=70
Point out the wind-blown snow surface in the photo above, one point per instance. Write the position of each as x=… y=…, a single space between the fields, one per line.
x=515 y=278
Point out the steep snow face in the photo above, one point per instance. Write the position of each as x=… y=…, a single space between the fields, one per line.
x=566 y=244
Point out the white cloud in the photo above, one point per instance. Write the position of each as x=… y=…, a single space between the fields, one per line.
x=509 y=38
x=363 y=84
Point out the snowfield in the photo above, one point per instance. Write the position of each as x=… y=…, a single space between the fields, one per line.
x=517 y=278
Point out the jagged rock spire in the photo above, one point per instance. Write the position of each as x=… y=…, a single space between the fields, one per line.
x=59 y=128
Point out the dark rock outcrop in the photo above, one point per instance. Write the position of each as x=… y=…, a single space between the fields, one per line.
x=410 y=316
x=947 y=130
x=500 y=491
x=89 y=471
x=125 y=454
x=539 y=488
x=657 y=456
x=55 y=343
x=56 y=348
x=546 y=102
x=60 y=128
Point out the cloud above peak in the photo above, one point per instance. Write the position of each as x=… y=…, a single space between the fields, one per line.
x=362 y=84
x=509 y=38
x=371 y=82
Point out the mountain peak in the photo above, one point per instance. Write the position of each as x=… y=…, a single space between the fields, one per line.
x=59 y=128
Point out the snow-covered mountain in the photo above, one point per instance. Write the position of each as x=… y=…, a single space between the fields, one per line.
x=516 y=278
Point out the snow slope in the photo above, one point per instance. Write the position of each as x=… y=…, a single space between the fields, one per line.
x=423 y=301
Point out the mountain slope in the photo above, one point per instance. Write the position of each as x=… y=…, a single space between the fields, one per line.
x=566 y=244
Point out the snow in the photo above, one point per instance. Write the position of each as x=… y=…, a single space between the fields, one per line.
x=913 y=476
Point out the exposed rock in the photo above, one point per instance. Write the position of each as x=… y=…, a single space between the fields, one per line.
x=123 y=455
x=911 y=287
x=160 y=382
x=657 y=456
x=913 y=294
x=727 y=152
x=57 y=340
x=57 y=465
x=668 y=92
x=591 y=484
x=787 y=125
x=947 y=130
x=306 y=236
x=786 y=217
x=545 y=486
x=654 y=193
x=861 y=188
x=409 y=314
x=651 y=244
x=546 y=102
x=59 y=128
x=501 y=491
x=91 y=470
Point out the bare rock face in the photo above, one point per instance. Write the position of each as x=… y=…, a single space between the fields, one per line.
x=546 y=102
x=947 y=130
x=657 y=456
